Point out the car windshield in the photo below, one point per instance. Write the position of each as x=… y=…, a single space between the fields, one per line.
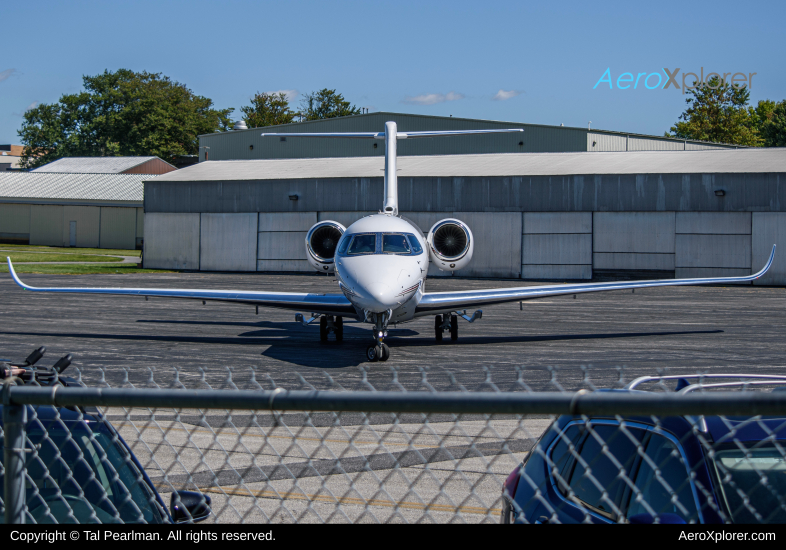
x=395 y=244
x=758 y=481
x=79 y=475
x=363 y=244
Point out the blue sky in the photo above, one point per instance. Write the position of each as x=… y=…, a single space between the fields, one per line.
x=533 y=62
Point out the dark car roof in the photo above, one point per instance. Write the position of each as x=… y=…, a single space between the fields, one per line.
x=746 y=428
x=46 y=412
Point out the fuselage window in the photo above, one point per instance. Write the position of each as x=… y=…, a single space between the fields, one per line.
x=395 y=244
x=363 y=244
x=413 y=241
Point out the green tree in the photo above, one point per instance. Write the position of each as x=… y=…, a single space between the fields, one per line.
x=719 y=112
x=120 y=113
x=773 y=127
x=268 y=110
x=326 y=104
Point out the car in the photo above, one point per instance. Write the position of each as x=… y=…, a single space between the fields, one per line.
x=80 y=470
x=645 y=469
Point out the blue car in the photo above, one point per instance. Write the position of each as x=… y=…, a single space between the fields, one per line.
x=79 y=469
x=655 y=470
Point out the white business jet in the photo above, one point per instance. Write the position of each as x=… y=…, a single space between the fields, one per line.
x=381 y=262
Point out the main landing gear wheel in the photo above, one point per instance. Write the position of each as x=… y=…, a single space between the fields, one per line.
x=323 y=329
x=339 y=330
x=454 y=327
x=438 y=327
x=380 y=352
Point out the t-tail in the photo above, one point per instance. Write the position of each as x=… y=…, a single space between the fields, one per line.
x=391 y=135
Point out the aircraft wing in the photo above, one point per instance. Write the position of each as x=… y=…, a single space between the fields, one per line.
x=331 y=304
x=444 y=302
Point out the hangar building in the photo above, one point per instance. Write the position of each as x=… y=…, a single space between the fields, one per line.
x=83 y=202
x=536 y=138
x=534 y=216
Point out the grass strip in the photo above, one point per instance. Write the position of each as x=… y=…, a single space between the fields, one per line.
x=39 y=257
x=68 y=250
x=81 y=269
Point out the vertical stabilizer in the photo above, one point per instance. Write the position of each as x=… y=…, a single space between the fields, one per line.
x=391 y=183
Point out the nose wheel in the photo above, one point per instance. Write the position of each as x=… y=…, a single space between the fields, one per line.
x=379 y=352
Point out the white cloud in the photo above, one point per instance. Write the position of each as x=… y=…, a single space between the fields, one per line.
x=503 y=95
x=8 y=73
x=33 y=105
x=291 y=94
x=432 y=99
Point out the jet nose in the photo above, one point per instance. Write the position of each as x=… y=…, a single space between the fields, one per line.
x=382 y=294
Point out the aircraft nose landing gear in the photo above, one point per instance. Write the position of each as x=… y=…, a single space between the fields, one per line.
x=380 y=350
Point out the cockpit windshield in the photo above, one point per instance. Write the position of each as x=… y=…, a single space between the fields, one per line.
x=404 y=244
x=363 y=244
x=395 y=244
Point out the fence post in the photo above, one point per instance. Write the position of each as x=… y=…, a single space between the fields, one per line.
x=14 y=421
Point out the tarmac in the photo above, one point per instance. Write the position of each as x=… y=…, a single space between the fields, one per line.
x=326 y=467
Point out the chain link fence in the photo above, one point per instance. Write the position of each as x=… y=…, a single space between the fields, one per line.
x=127 y=447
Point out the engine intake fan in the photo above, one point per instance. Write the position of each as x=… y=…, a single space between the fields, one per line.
x=321 y=242
x=450 y=244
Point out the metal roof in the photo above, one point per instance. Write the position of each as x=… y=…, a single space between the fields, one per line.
x=93 y=165
x=727 y=161
x=71 y=187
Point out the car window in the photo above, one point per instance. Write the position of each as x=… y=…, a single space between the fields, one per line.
x=413 y=241
x=757 y=484
x=562 y=455
x=76 y=474
x=602 y=469
x=662 y=475
x=363 y=244
x=395 y=244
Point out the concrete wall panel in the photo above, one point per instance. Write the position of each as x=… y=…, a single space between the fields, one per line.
x=285 y=265
x=282 y=245
x=769 y=228
x=14 y=218
x=140 y=223
x=171 y=241
x=287 y=221
x=556 y=272
x=88 y=225
x=46 y=225
x=344 y=218
x=714 y=223
x=118 y=227
x=557 y=222
x=565 y=249
x=719 y=251
x=627 y=261
x=700 y=272
x=633 y=232
x=497 y=244
x=228 y=242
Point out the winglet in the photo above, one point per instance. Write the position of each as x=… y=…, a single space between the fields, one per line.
x=766 y=267
x=15 y=277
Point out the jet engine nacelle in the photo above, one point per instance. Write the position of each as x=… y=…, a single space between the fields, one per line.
x=321 y=242
x=450 y=244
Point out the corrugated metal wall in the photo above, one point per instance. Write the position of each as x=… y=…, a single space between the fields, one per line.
x=249 y=144
x=15 y=223
x=140 y=226
x=46 y=225
x=88 y=225
x=599 y=141
x=118 y=227
x=50 y=225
